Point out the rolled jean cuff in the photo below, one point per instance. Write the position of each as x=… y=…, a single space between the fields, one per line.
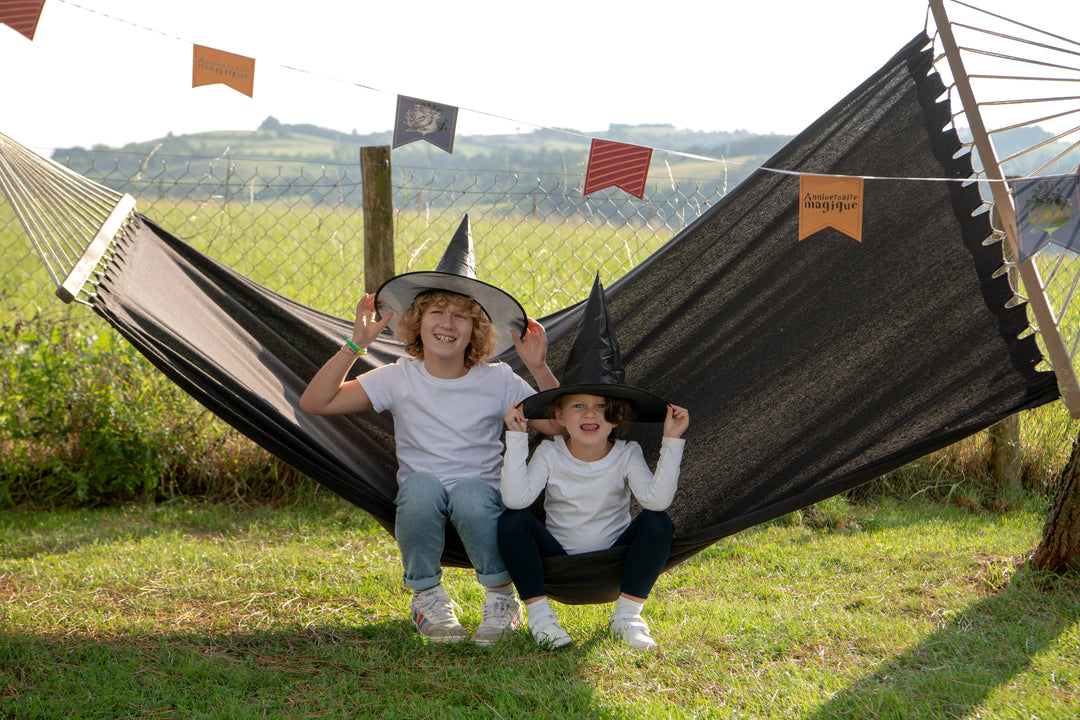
x=493 y=579
x=422 y=583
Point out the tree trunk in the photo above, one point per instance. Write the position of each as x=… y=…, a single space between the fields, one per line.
x=1059 y=550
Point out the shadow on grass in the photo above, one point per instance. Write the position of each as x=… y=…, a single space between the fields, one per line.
x=952 y=672
x=382 y=670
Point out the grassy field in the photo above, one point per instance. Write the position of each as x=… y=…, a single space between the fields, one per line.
x=190 y=610
x=314 y=254
x=184 y=609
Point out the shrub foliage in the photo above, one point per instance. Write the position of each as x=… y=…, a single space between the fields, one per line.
x=88 y=421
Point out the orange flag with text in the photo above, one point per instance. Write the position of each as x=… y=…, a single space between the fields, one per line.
x=210 y=67
x=828 y=201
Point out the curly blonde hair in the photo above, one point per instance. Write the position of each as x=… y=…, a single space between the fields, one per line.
x=484 y=333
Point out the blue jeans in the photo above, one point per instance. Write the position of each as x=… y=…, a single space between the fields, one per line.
x=472 y=507
x=525 y=542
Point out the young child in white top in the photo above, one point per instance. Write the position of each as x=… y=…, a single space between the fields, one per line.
x=588 y=481
x=587 y=476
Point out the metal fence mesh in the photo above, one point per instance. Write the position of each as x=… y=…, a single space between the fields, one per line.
x=297 y=228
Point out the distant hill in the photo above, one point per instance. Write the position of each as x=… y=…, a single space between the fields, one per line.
x=277 y=158
x=539 y=151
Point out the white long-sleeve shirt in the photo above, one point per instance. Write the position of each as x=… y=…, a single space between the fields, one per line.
x=588 y=503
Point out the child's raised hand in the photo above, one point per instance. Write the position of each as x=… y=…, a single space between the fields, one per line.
x=367 y=328
x=515 y=419
x=532 y=346
x=676 y=422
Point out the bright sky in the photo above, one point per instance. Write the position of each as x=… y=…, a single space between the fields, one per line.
x=116 y=71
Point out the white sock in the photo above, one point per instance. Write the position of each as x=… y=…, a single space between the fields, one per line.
x=507 y=589
x=538 y=610
x=627 y=607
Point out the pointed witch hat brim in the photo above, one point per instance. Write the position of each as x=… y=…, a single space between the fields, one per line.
x=594 y=367
x=455 y=273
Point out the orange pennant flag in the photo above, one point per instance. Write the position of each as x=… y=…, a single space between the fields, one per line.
x=835 y=202
x=617 y=164
x=210 y=66
x=22 y=15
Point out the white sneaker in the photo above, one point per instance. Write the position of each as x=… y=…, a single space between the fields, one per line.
x=632 y=630
x=501 y=614
x=433 y=613
x=548 y=632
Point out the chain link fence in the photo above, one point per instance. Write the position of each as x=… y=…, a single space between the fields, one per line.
x=297 y=228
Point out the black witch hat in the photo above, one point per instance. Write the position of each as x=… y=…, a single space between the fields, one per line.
x=594 y=367
x=456 y=273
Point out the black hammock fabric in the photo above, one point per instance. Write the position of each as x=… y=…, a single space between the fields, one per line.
x=808 y=367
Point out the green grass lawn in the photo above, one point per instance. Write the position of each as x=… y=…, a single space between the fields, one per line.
x=192 y=610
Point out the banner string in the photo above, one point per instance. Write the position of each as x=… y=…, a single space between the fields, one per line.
x=571 y=133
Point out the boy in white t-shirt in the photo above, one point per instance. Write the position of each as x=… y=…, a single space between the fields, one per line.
x=448 y=406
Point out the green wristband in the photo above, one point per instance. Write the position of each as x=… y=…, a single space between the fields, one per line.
x=353 y=347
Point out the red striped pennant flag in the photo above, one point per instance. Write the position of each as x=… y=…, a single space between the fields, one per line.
x=617 y=164
x=21 y=15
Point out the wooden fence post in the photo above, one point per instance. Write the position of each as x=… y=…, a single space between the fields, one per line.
x=378 y=216
x=1004 y=445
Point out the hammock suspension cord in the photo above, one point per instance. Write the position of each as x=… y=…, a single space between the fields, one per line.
x=70 y=219
x=1062 y=359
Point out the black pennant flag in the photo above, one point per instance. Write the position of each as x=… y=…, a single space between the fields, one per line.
x=423 y=120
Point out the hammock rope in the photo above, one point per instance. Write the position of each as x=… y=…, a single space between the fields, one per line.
x=1047 y=304
x=70 y=220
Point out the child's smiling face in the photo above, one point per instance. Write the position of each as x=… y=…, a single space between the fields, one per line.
x=445 y=330
x=583 y=416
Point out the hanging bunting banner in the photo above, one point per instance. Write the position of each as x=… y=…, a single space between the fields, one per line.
x=1047 y=213
x=22 y=15
x=211 y=67
x=615 y=164
x=423 y=120
x=827 y=201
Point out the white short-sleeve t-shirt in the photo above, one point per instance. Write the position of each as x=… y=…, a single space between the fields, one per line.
x=449 y=428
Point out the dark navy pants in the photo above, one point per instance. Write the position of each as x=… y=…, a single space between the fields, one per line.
x=524 y=542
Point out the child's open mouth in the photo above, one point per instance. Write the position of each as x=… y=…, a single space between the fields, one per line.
x=590 y=427
x=445 y=338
